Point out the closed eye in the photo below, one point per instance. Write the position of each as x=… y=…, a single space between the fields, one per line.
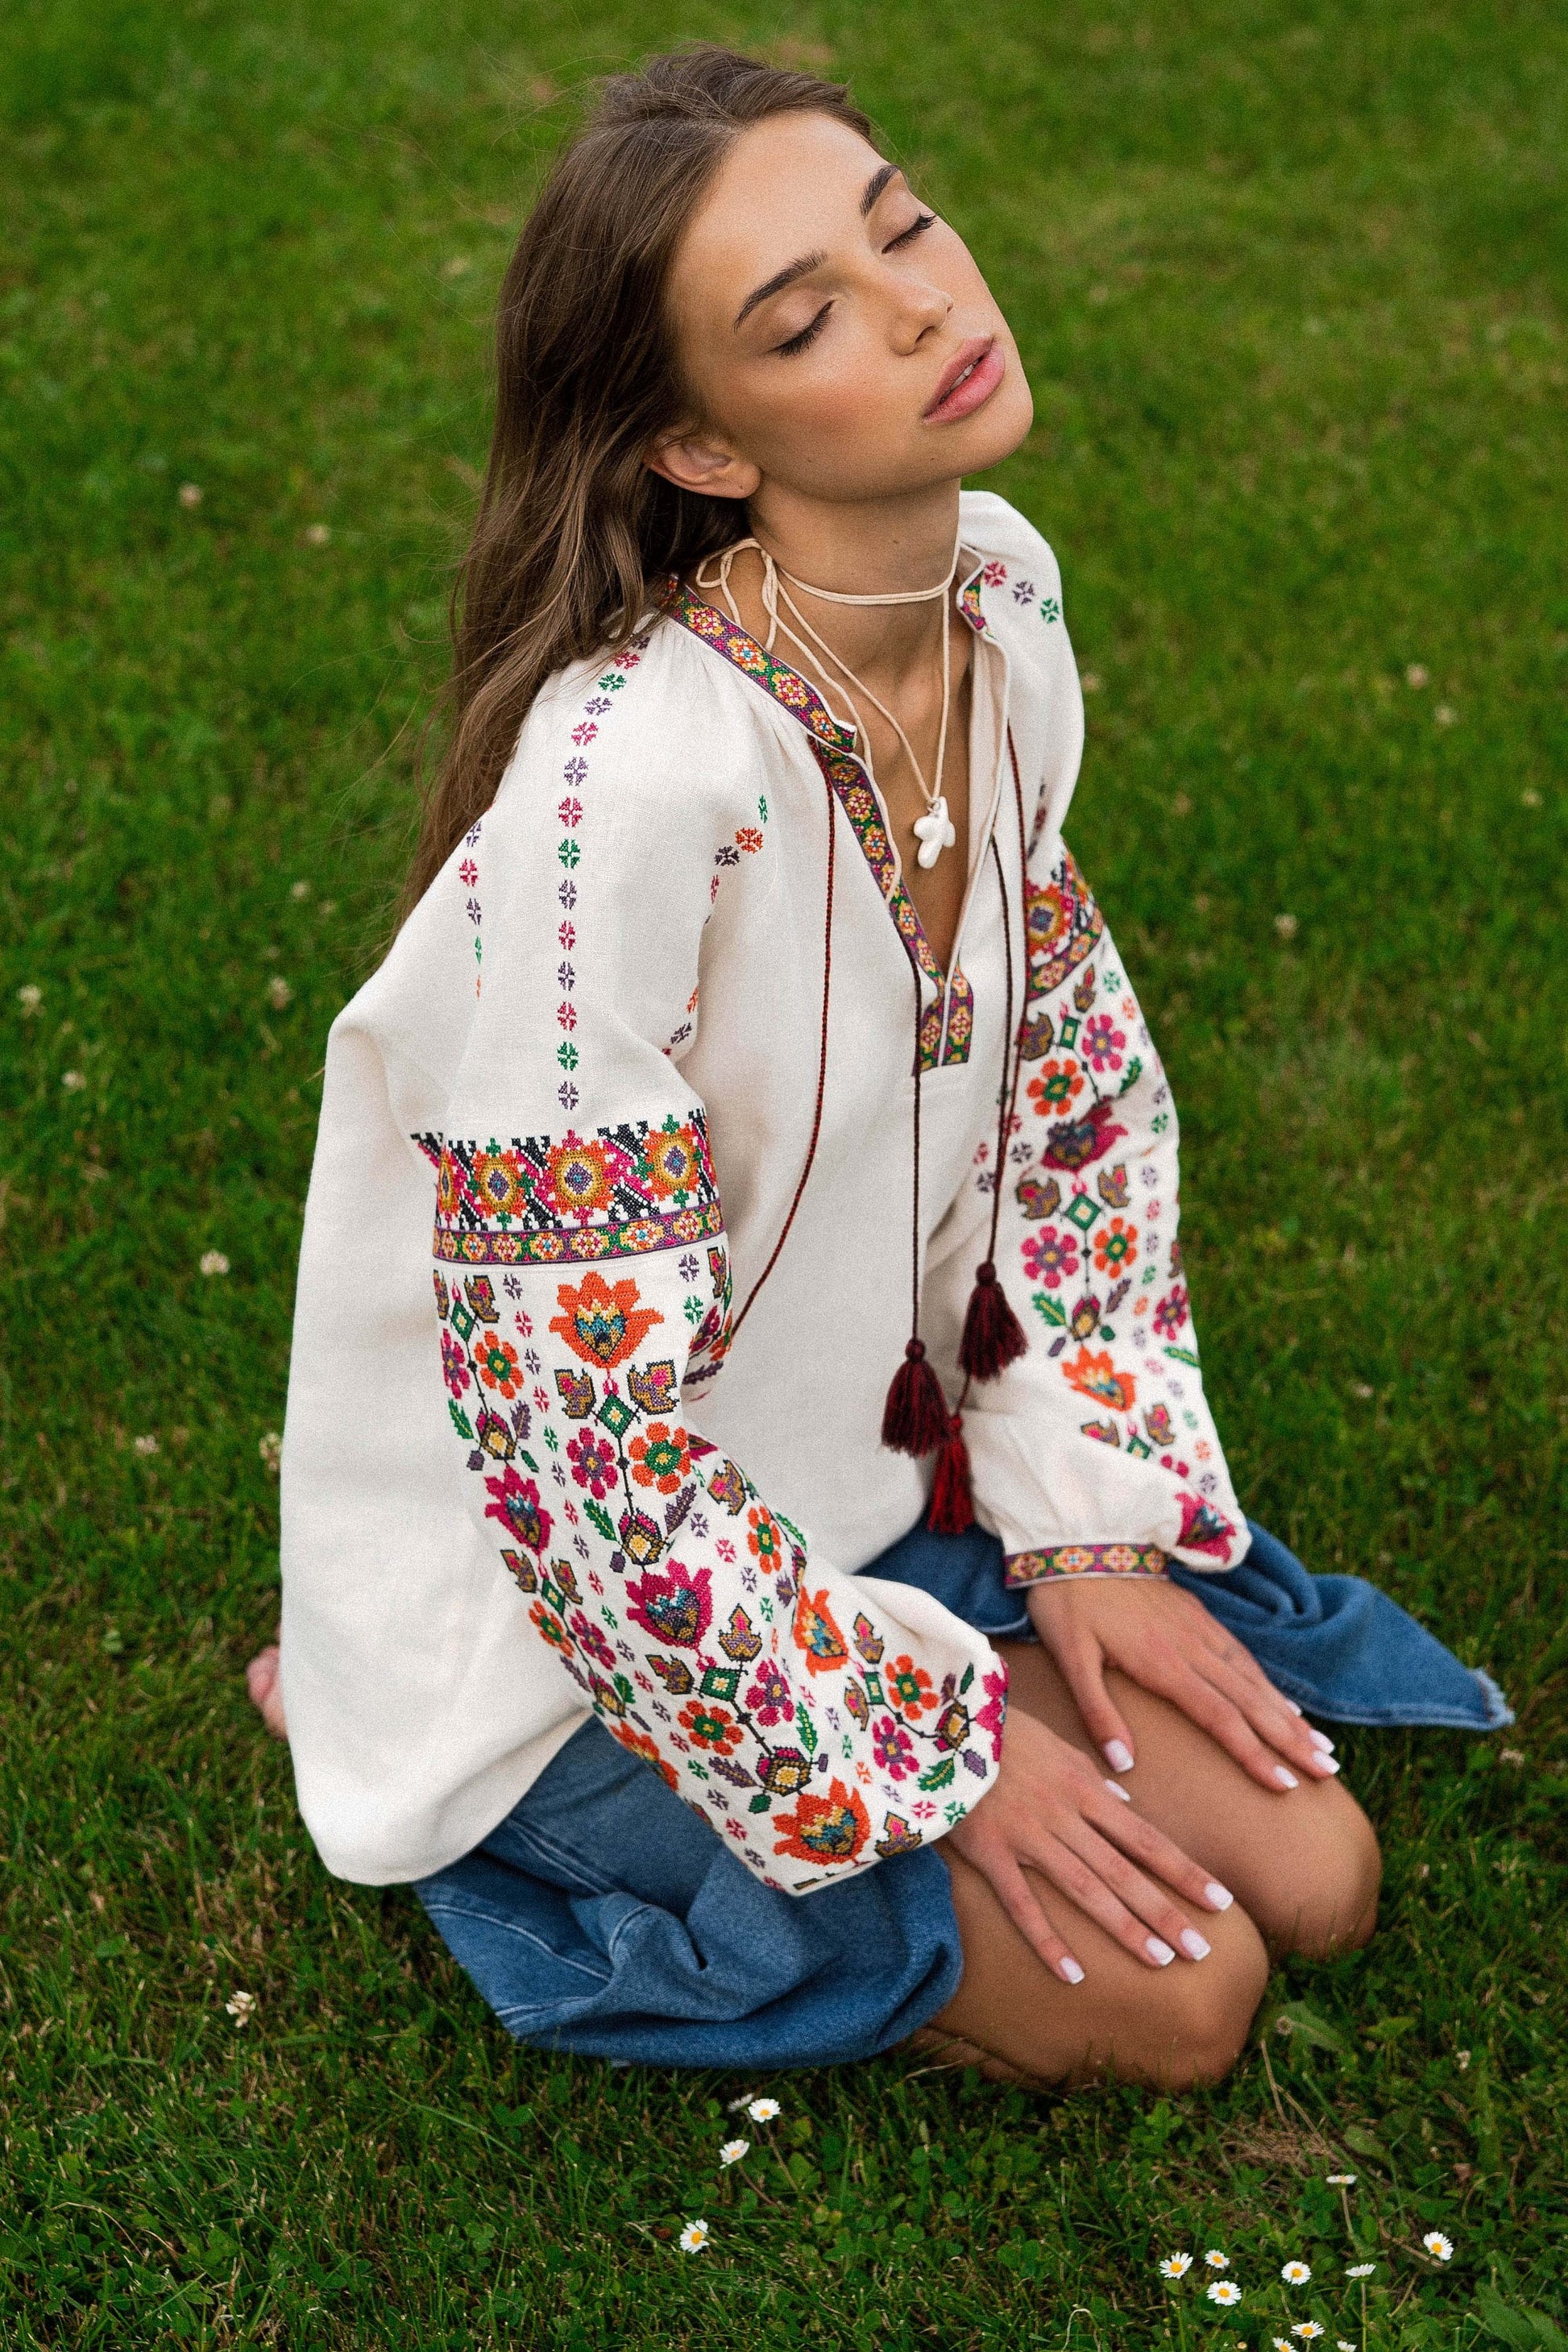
x=807 y=335
x=916 y=228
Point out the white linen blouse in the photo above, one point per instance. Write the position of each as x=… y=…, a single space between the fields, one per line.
x=526 y=1475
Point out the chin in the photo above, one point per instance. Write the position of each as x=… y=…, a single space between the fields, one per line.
x=995 y=431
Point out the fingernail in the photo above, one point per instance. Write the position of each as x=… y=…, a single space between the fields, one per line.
x=1117 y=1790
x=1219 y=1897
x=1286 y=1779
x=1193 y=1944
x=1161 y=1954
x=1320 y=1739
x=1325 y=1765
x=1118 y=1755
x=1070 y=1970
x=1292 y=1705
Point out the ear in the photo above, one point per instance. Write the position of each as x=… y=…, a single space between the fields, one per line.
x=693 y=464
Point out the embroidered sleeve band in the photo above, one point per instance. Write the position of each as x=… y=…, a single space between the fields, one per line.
x=1084 y=1559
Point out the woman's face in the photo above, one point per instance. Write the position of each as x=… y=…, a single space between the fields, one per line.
x=837 y=341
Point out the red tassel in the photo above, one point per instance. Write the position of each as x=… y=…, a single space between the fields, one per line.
x=914 y=1418
x=992 y=1336
x=951 y=1497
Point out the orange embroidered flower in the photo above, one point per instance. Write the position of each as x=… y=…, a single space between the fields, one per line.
x=710 y=1727
x=1057 y=1088
x=601 y=1322
x=823 y=1829
x=1116 y=1247
x=495 y=1360
x=660 y=1459
x=673 y=1162
x=816 y=1633
x=579 y=1177
x=909 y=1690
x=637 y=1743
x=1093 y=1374
x=499 y=1183
x=765 y=1537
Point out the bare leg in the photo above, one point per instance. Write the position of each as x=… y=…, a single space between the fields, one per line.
x=1307 y=1877
x=261 y=1682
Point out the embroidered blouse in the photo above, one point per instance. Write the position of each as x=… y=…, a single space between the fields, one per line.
x=525 y=1474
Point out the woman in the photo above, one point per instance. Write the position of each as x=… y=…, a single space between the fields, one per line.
x=736 y=1578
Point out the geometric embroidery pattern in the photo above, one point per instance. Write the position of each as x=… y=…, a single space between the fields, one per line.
x=542 y=1200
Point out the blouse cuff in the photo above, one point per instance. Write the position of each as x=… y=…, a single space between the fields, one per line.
x=1025 y=1568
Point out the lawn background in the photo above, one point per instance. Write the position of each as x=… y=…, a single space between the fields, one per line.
x=1289 y=281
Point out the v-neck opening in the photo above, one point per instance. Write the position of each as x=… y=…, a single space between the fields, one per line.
x=947 y=1024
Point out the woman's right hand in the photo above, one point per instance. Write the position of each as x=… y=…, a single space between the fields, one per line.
x=1049 y=1810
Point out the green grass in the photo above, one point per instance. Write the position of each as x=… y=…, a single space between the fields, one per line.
x=1289 y=277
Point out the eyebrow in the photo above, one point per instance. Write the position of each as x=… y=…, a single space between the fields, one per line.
x=807 y=262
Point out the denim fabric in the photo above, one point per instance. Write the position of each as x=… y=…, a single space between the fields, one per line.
x=604 y=1916
x=1336 y=1645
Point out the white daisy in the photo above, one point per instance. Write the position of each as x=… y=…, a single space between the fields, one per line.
x=1342 y=2180
x=1361 y=2270
x=763 y=2111
x=1296 y=2273
x=1223 y=2291
x=1306 y=2329
x=1437 y=2245
x=1343 y=2343
x=1215 y=2260
x=734 y=2150
x=239 y=2006
x=1175 y=2265
x=694 y=2237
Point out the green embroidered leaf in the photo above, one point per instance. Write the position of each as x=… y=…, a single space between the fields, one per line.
x=527 y=1459
x=807 y=1730
x=460 y=1421
x=1184 y=1356
x=940 y=1775
x=1134 y=1072
x=968 y=1678
x=761 y=1804
x=1050 y=1308
x=602 y=1520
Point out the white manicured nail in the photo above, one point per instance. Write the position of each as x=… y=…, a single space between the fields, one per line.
x=1070 y=1970
x=1320 y=1739
x=1118 y=1755
x=1286 y=1779
x=1325 y=1764
x=1193 y=1944
x=1291 y=1705
x=1161 y=1954
x=1219 y=1897
x=1117 y=1790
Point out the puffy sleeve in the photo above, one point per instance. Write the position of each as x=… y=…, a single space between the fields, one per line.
x=1094 y=1453
x=581 y=1297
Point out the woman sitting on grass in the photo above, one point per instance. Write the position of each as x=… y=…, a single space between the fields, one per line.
x=792 y=1476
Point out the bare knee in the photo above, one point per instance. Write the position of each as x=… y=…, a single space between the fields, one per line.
x=1321 y=1896
x=1192 y=2025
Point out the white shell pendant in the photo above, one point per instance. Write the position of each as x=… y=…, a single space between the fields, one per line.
x=934 y=832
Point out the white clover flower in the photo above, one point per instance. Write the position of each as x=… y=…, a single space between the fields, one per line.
x=73 y=1081
x=1286 y=926
x=297 y=890
x=1437 y=2245
x=1223 y=2291
x=1296 y=2273
x=240 y=2007
x=1361 y=2270
x=1175 y=2265
x=694 y=2237
x=1342 y=2180
x=147 y=1444
x=214 y=1261
x=734 y=2150
x=763 y=2111
x=270 y=1448
x=29 y=998
x=1306 y=2329
x=1215 y=2260
x=279 y=995
x=190 y=494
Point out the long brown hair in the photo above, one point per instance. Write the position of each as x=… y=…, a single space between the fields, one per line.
x=573 y=528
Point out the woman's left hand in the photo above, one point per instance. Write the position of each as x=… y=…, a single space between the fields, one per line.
x=1162 y=1637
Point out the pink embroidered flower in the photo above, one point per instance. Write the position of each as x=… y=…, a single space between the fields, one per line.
x=1204 y=1529
x=1103 y=1044
x=768 y=1697
x=518 y=1508
x=893 y=1748
x=1171 y=1312
x=990 y=1717
x=570 y=813
x=593 y=1461
x=677 y=1607
x=1050 y=1256
x=454 y=1365
x=590 y=1639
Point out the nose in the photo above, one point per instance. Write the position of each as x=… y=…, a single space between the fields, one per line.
x=919 y=310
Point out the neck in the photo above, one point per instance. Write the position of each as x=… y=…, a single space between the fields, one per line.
x=875 y=547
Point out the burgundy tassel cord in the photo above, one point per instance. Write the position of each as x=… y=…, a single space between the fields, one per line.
x=916 y=1418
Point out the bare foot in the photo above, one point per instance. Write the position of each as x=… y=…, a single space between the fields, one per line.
x=261 y=1682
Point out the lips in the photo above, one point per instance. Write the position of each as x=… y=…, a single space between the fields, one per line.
x=969 y=380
